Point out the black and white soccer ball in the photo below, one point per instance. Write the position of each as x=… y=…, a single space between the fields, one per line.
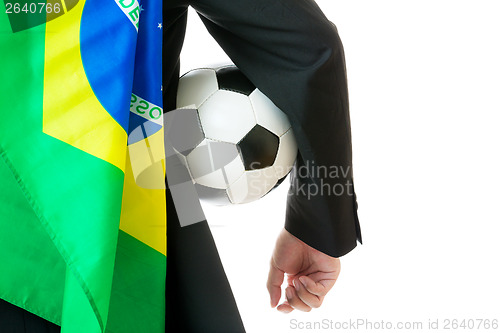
x=235 y=142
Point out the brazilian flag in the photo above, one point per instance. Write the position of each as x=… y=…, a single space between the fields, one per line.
x=82 y=209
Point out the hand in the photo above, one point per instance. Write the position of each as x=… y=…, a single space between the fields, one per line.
x=310 y=274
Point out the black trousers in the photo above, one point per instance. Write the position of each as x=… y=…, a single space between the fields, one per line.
x=293 y=54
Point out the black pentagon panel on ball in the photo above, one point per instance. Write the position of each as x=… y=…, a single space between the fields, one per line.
x=279 y=182
x=276 y=185
x=187 y=132
x=258 y=148
x=231 y=78
x=213 y=196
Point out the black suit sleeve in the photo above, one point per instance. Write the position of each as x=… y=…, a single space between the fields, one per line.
x=294 y=55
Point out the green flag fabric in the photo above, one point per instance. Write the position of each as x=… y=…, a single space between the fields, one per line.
x=81 y=243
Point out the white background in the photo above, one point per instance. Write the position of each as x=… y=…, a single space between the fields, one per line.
x=424 y=83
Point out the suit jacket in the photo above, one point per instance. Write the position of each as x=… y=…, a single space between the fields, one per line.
x=294 y=55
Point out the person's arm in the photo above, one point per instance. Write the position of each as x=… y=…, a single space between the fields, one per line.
x=293 y=54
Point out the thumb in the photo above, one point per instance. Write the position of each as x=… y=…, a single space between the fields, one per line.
x=274 y=282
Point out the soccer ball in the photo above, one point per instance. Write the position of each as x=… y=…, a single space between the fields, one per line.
x=235 y=143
